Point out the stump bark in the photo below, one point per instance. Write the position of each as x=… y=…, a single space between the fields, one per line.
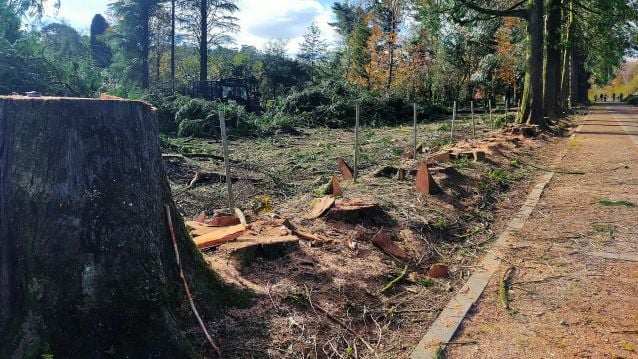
x=87 y=267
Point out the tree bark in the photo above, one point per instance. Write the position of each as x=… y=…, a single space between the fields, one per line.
x=565 y=67
x=146 y=19
x=535 y=28
x=203 y=41
x=552 y=69
x=87 y=268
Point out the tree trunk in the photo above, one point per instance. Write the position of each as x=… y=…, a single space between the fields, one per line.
x=551 y=71
x=535 y=28
x=146 y=19
x=565 y=67
x=87 y=268
x=172 y=45
x=203 y=41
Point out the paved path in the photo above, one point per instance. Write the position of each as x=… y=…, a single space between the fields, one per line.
x=574 y=291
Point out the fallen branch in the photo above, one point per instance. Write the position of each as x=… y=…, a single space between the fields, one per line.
x=629 y=331
x=186 y=288
x=338 y=321
x=396 y=280
x=503 y=288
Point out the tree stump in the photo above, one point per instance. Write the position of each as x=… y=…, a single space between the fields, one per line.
x=87 y=268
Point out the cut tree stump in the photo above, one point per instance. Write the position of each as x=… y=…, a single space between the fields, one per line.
x=87 y=266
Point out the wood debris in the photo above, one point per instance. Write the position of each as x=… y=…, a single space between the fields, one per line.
x=219 y=235
x=438 y=271
x=321 y=207
x=346 y=170
x=382 y=241
x=424 y=182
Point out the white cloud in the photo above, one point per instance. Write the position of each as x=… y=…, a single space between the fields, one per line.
x=262 y=21
x=77 y=13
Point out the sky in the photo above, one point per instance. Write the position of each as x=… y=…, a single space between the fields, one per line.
x=260 y=20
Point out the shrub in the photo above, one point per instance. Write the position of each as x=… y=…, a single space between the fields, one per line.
x=332 y=104
x=197 y=117
x=632 y=100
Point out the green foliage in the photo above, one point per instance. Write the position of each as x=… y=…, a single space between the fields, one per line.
x=332 y=104
x=197 y=117
x=632 y=100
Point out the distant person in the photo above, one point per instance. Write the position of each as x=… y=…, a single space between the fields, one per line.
x=613 y=97
x=595 y=98
x=620 y=97
x=605 y=98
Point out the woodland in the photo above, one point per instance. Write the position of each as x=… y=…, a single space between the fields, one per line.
x=133 y=225
x=389 y=54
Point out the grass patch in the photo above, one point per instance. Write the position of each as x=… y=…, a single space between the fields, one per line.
x=426 y=282
x=627 y=346
x=608 y=203
x=605 y=228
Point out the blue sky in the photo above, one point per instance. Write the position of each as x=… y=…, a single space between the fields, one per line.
x=260 y=20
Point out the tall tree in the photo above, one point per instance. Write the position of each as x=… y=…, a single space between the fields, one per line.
x=208 y=23
x=389 y=15
x=532 y=102
x=133 y=36
x=313 y=49
x=100 y=51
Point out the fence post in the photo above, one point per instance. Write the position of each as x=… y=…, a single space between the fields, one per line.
x=453 y=119
x=473 y=122
x=229 y=182
x=415 y=128
x=489 y=104
x=356 y=144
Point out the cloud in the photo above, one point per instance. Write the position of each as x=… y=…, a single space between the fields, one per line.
x=77 y=13
x=262 y=21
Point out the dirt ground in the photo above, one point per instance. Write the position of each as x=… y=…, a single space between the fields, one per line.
x=324 y=300
x=570 y=296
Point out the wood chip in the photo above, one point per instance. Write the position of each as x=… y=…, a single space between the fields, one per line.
x=346 y=170
x=382 y=241
x=438 y=271
x=223 y=221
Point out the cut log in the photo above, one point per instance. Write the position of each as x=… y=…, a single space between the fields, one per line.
x=87 y=266
x=346 y=170
x=223 y=221
x=219 y=235
x=382 y=241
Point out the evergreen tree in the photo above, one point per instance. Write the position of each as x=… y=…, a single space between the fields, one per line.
x=100 y=51
x=313 y=49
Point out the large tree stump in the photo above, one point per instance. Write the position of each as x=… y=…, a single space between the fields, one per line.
x=87 y=268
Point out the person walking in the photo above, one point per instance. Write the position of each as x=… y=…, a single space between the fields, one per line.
x=613 y=97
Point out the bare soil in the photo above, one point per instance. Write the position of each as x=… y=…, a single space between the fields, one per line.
x=567 y=301
x=325 y=300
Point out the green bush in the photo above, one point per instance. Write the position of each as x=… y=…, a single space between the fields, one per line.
x=632 y=100
x=186 y=116
x=195 y=128
x=332 y=104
